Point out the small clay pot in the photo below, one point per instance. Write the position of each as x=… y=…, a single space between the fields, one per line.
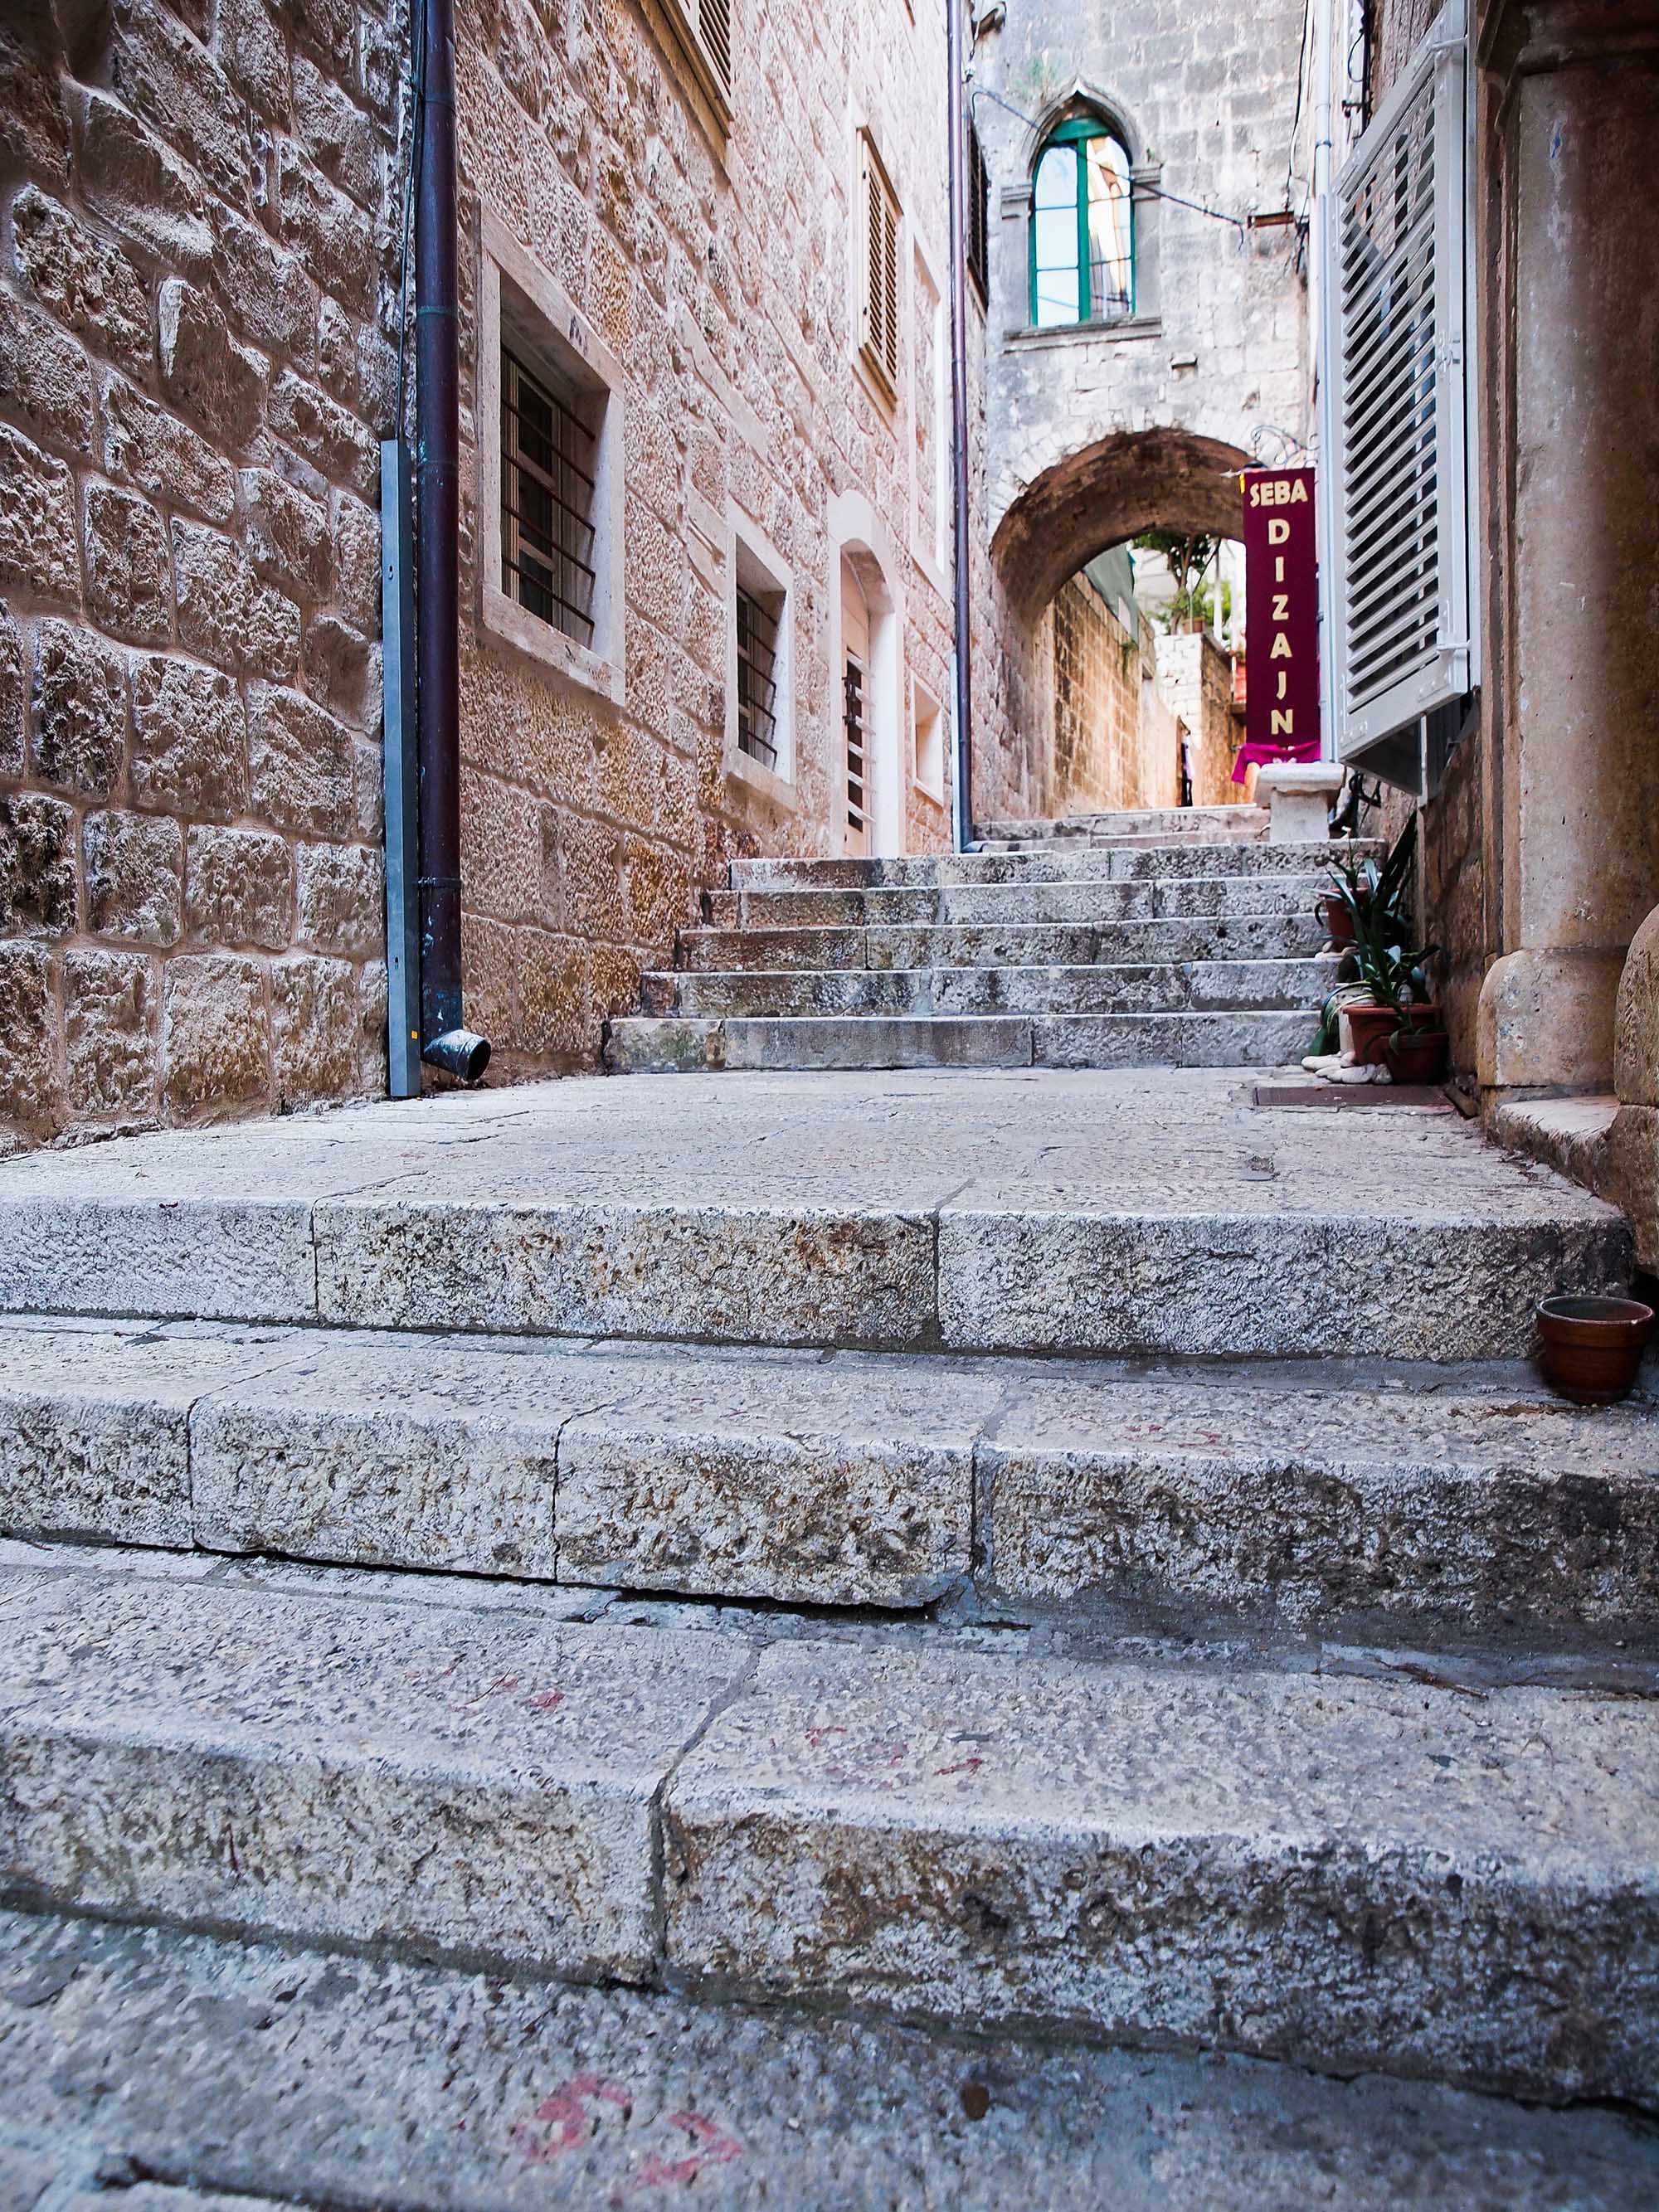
x=1339 y=922
x=1590 y=1348
x=1417 y=1055
x=1371 y=1027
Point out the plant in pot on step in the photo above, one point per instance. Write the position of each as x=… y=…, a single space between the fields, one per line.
x=1355 y=883
x=1390 y=972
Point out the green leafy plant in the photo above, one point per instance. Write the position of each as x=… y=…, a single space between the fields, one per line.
x=1382 y=966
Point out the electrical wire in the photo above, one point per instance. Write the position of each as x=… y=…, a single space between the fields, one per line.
x=1138 y=190
x=1301 y=82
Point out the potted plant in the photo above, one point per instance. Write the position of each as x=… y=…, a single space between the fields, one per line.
x=1355 y=883
x=1416 y=1052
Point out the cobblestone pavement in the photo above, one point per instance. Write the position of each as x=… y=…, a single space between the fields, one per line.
x=148 y=2071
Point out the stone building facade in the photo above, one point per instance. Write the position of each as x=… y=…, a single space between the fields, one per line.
x=1117 y=742
x=200 y=212
x=1104 y=429
x=193 y=370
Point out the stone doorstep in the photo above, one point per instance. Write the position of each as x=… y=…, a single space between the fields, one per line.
x=1346 y=1873
x=669 y=1044
x=1189 y=899
x=1467 y=1509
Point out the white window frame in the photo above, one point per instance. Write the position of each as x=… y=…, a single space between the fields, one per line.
x=755 y=562
x=519 y=300
x=927 y=712
x=1371 y=723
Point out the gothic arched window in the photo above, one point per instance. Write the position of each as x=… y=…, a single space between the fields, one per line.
x=1083 y=237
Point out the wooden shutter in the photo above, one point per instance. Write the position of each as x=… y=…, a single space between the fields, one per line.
x=714 y=30
x=979 y=215
x=879 y=333
x=1402 y=510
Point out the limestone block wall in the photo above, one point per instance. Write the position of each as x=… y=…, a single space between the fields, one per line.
x=1116 y=742
x=720 y=270
x=193 y=272
x=1196 y=677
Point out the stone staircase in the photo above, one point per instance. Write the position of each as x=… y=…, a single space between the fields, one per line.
x=1078 y=1552
x=1180 y=939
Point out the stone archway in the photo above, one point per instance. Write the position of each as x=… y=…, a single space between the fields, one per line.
x=1086 y=501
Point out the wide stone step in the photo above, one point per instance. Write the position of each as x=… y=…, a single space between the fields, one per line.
x=1108 y=863
x=678 y=1044
x=1208 y=986
x=1459 y=1508
x=1017 y=944
x=1356 y=1874
x=1128 y=825
x=1041 y=1210
x=1197 y=898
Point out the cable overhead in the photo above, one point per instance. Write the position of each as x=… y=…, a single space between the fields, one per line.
x=1138 y=190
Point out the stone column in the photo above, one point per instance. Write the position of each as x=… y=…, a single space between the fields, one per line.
x=1569 y=268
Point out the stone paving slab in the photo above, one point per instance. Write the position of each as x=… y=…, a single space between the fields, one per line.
x=1327 y=1868
x=348 y=2082
x=1085 y=1211
x=1286 y=1865
x=1001 y=986
x=1461 y=1507
x=1047 y=864
x=1019 y=944
x=377 y=1774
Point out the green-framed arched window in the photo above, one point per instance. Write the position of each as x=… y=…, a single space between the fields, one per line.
x=1083 y=232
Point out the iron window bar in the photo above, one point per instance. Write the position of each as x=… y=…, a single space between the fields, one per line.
x=758 y=687
x=854 y=694
x=547 y=499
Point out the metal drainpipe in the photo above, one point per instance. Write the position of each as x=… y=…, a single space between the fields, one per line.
x=959 y=481
x=444 y=1041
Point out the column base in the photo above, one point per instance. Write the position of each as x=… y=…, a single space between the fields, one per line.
x=1546 y=1021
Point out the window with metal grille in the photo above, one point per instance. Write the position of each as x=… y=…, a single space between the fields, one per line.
x=1083 y=250
x=979 y=215
x=547 y=456
x=1397 y=423
x=879 y=333
x=857 y=812
x=757 y=677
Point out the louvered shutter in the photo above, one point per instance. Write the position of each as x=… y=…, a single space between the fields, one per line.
x=879 y=334
x=1402 y=504
x=714 y=29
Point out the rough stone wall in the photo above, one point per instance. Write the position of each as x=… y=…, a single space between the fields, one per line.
x=193 y=275
x=1115 y=743
x=721 y=272
x=1196 y=677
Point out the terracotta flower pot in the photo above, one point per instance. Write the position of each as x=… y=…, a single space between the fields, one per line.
x=1371 y=1027
x=1589 y=1348
x=1417 y=1055
x=1339 y=922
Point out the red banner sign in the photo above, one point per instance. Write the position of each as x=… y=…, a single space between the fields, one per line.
x=1282 y=596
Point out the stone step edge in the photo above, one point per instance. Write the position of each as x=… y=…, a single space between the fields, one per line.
x=1354 y=1874
x=1465 y=1509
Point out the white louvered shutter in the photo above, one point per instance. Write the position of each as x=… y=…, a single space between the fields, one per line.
x=1403 y=495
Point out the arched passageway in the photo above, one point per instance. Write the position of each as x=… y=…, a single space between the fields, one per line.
x=1107 y=492
x=1117 y=699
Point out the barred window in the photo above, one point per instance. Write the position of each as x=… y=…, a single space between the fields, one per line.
x=979 y=215
x=548 y=467
x=757 y=677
